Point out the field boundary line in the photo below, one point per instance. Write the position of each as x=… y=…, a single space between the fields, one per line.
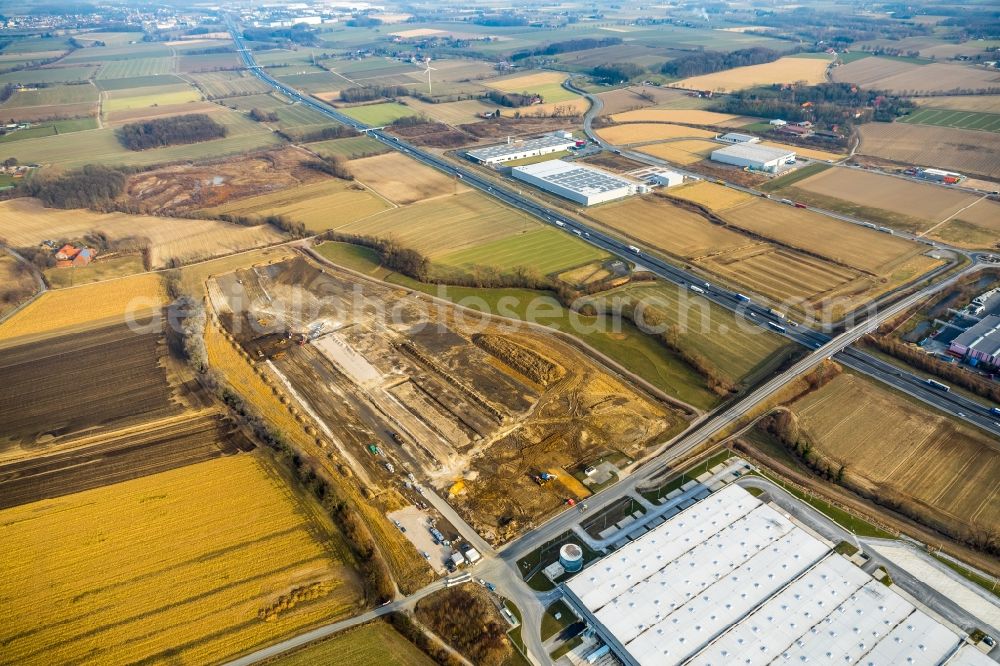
x=949 y=218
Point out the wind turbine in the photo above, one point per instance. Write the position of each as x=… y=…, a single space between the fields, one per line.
x=427 y=64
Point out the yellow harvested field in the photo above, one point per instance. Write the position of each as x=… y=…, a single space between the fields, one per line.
x=684 y=151
x=194 y=565
x=403 y=180
x=27 y=222
x=526 y=82
x=923 y=201
x=966 y=151
x=88 y=305
x=320 y=206
x=451 y=113
x=159 y=111
x=712 y=196
x=642 y=132
x=984 y=213
x=447 y=224
x=692 y=117
x=783 y=70
x=226 y=358
x=656 y=222
x=811 y=153
x=946 y=471
x=784 y=275
x=903 y=77
x=855 y=246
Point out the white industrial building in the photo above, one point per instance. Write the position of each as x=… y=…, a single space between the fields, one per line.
x=732 y=580
x=736 y=137
x=517 y=150
x=754 y=156
x=577 y=182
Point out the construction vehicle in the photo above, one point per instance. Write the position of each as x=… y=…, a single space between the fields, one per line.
x=570 y=501
x=374 y=450
x=543 y=478
x=388 y=467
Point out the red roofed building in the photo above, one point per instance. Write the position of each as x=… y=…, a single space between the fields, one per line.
x=67 y=253
x=84 y=257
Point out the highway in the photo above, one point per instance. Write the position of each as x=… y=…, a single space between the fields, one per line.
x=746 y=308
x=503 y=569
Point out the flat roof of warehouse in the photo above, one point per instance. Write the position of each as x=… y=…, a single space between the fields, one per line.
x=504 y=149
x=983 y=337
x=732 y=580
x=754 y=151
x=576 y=177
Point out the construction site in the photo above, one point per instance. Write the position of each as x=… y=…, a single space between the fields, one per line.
x=492 y=414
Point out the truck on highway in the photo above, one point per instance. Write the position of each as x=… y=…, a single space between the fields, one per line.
x=741 y=297
x=560 y=223
x=777 y=327
x=776 y=313
x=635 y=249
x=697 y=290
x=937 y=385
x=995 y=411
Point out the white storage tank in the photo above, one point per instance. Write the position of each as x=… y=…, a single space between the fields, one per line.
x=571 y=557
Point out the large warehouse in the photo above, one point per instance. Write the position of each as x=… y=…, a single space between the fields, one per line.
x=755 y=156
x=732 y=580
x=980 y=344
x=576 y=182
x=518 y=150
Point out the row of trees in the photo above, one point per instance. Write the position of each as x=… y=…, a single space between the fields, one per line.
x=468 y=623
x=379 y=586
x=950 y=372
x=325 y=134
x=510 y=99
x=369 y=93
x=92 y=186
x=830 y=104
x=567 y=46
x=190 y=128
x=707 y=62
x=300 y=34
x=334 y=165
x=262 y=116
x=617 y=71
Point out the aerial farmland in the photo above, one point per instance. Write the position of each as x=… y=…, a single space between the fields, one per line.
x=295 y=371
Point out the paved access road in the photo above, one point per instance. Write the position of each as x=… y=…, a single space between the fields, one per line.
x=503 y=571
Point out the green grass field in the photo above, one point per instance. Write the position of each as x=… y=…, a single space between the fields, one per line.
x=227 y=84
x=99 y=270
x=373 y=643
x=379 y=114
x=60 y=94
x=350 y=148
x=794 y=177
x=311 y=81
x=51 y=128
x=112 y=85
x=101 y=146
x=49 y=75
x=137 y=98
x=545 y=249
x=988 y=122
x=848 y=58
x=133 y=67
x=737 y=348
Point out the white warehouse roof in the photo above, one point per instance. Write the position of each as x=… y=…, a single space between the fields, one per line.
x=733 y=581
x=505 y=151
x=754 y=152
x=576 y=177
